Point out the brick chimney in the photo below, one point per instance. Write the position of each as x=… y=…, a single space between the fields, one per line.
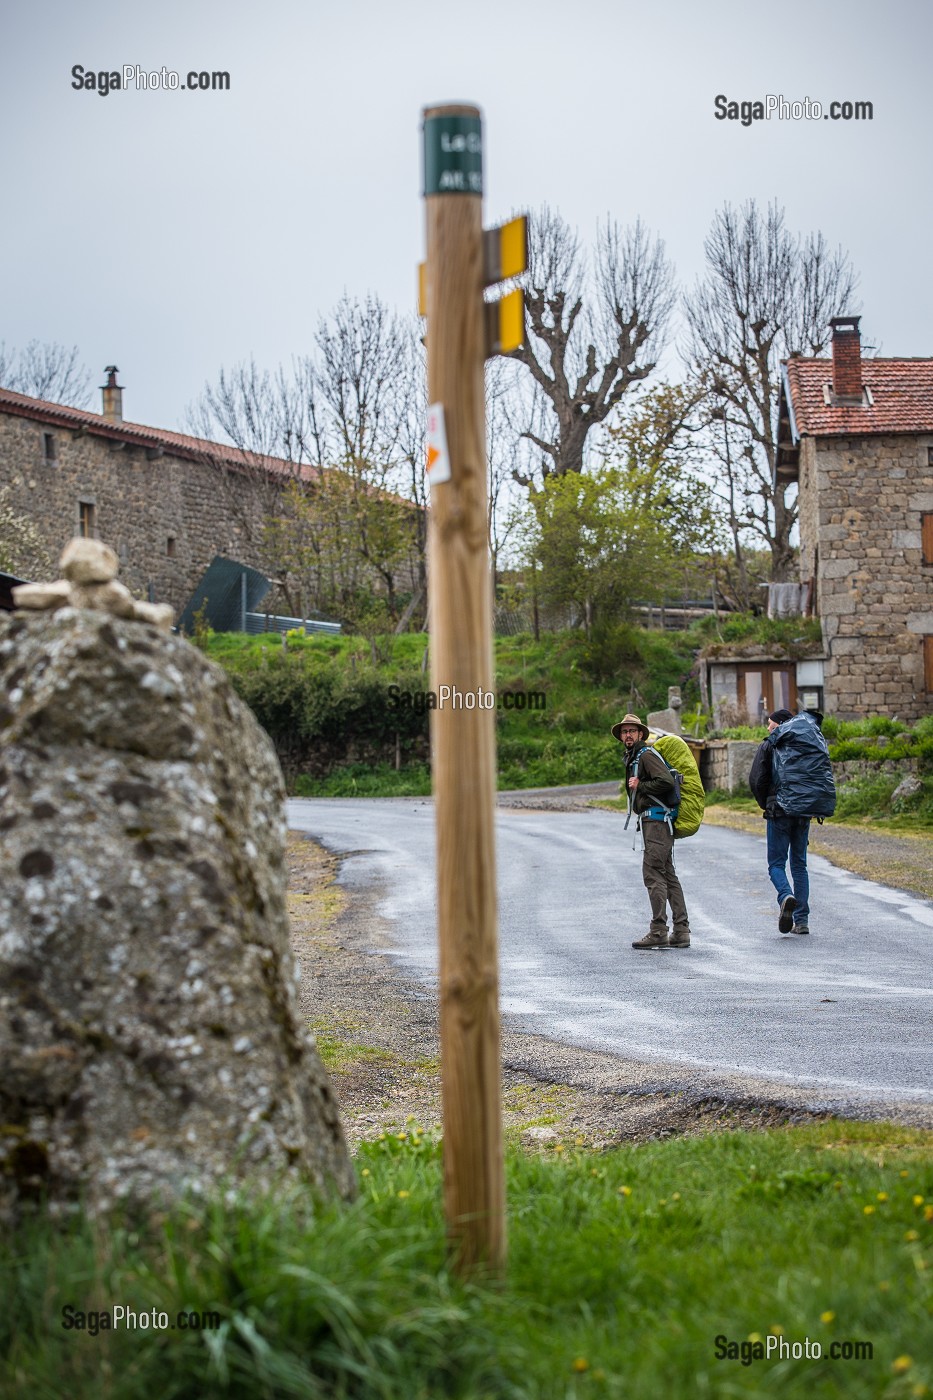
x=847 y=357
x=113 y=396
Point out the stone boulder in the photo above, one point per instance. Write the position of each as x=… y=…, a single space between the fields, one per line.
x=149 y=1033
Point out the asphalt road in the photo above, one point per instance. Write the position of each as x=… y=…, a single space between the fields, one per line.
x=845 y=1014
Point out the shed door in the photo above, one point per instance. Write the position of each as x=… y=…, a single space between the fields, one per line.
x=765 y=687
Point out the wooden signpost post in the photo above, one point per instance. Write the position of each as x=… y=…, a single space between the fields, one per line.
x=461 y=331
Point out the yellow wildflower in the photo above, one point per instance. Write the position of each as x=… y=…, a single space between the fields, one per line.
x=918 y=1200
x=868 y=1210
x=827 y=1317
x=902 y=1364
x=911 y=1235
x=581 y=1364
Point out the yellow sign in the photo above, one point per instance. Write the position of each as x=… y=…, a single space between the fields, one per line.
x=505 y=250
x=505 y=323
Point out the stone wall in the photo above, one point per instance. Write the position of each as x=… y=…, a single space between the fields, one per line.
x=725 y=764
x=861 y=501
x=141 y=502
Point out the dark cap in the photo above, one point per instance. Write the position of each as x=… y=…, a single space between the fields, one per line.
x=781 y=716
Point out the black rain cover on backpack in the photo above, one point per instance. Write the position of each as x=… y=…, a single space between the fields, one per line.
x=802 y=773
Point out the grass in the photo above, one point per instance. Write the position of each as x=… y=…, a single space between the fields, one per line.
x=587 y=685
x=860 y=802
x=566 y=741
x=624 y=1269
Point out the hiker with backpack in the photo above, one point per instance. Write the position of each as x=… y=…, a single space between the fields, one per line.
x=654 y=796
x=791 y=779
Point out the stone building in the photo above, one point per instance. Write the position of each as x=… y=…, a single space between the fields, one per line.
x=167 y=502
x=744 y=682
x=857 y=437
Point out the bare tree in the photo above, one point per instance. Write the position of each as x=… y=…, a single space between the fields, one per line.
x=411 y=414
x=351 y=383
x=590 y=337
x=767 y=294
x=47 y=371
x=327 y=456
x=362 y=387
x=505 y=499
x=263 y=418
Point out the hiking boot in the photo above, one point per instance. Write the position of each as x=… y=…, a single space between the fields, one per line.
x=652 y=940
x=680 y=938
x=800 y=928
x=786 y=918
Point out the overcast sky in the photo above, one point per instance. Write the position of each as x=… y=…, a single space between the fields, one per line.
x=173 y=232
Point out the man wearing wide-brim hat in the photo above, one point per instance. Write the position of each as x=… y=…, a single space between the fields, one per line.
x=650 y=792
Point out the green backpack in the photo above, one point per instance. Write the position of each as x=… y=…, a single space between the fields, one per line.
x=677 y=755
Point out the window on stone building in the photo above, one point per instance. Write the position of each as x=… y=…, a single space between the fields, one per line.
x=48 y=448
x=86 y=522
x=170 y=547
x=926 y=536
x=928 y=664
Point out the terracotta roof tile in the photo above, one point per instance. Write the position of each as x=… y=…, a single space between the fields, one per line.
x=901 y=392
x=137 y=434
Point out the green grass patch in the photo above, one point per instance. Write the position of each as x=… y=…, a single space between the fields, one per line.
x=624 y=1268
x=338 y=728
x=339 y=1054
x=327 y=704
x=363 y=780
x=861 y=801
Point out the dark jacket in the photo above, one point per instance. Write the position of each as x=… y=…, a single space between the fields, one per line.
x=761 y=780
x=654 y=780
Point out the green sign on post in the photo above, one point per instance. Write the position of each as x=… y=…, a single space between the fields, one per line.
x=453 y=155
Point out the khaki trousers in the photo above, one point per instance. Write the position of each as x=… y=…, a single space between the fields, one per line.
x=660 y=878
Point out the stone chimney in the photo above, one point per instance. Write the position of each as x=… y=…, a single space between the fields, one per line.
x=113 y=396
x=847 y=358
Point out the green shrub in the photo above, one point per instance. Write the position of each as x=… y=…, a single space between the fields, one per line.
x=868 y=796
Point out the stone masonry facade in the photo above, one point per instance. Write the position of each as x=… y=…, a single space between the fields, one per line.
x=861 y=502
x=856 y=436
x=166 y=516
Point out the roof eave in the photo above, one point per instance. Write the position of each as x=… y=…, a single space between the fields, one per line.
x=785 y=468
